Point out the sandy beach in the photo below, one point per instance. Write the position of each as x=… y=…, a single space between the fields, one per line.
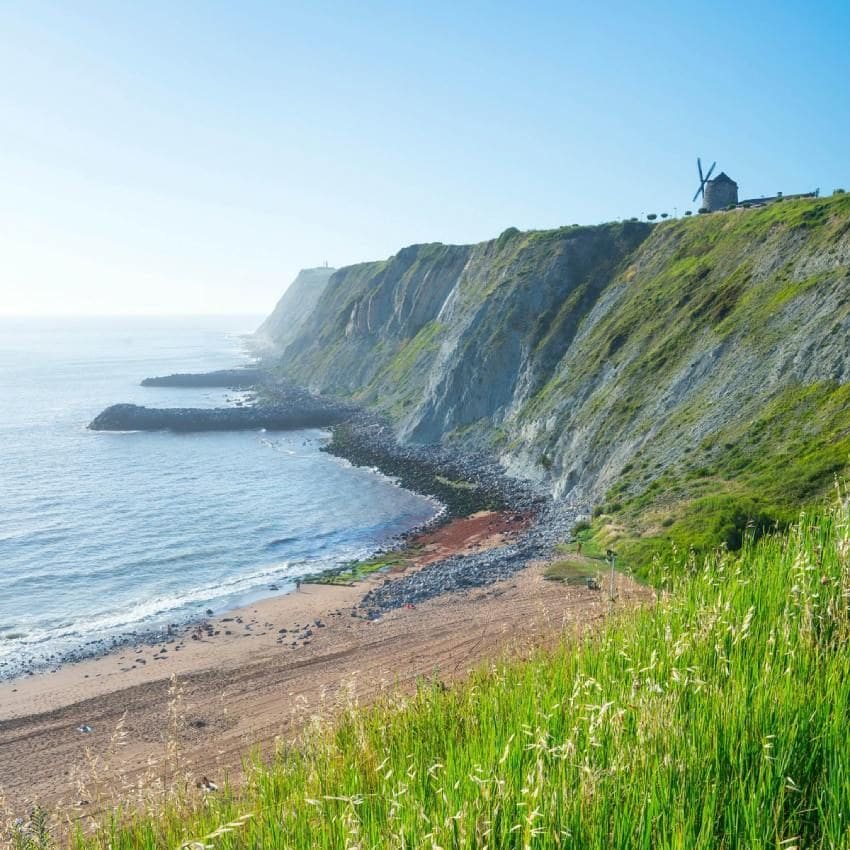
x=95 y=729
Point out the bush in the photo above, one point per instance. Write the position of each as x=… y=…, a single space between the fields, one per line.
x=651 y=217
x=838 y=192
x=581 y=525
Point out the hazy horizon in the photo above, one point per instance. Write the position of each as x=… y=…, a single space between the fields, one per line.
x=163 y=160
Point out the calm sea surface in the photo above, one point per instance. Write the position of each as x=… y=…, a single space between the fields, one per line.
x=104 y=533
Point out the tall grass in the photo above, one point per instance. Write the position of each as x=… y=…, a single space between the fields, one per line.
x=717 y=718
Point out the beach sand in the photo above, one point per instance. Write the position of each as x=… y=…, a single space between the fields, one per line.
x=241 y=684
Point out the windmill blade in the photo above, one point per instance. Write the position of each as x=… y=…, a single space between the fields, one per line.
x=701 y=190
x=709 y=172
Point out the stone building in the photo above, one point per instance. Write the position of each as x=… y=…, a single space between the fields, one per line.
x=720 y=193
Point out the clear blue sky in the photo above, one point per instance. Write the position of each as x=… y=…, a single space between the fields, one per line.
x=190 y=157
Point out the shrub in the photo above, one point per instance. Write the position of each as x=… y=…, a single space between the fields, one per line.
x=651 y=217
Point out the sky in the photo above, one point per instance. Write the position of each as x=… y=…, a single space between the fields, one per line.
x=189 y=157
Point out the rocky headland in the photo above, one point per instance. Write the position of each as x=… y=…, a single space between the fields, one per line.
x=235 y=379
x=280 y=406
x=272 y=417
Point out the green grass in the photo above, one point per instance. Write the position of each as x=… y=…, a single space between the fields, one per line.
x=358 y=570
x=715 y=719
x=457 y=485
x=574 y=568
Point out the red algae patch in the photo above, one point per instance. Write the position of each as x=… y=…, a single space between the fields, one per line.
x=475 y=533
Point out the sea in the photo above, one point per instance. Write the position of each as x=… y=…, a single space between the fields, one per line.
x=103 y=535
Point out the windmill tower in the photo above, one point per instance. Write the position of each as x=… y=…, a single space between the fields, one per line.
x=716 y=194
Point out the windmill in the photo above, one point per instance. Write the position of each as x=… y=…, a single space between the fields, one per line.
x=703 y=180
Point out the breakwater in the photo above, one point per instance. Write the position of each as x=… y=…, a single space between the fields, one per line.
x=237 y=379
x=272 y=417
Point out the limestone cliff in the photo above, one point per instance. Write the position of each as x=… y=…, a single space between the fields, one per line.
x=646 y=368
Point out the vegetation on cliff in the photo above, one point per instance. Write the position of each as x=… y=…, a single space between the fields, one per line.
x=716 y=718
x=685 y=378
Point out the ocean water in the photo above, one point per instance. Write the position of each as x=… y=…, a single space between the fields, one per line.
x=103 y=534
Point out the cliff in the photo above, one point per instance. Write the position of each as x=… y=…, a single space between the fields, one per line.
x=685 y=378
x=294 y=306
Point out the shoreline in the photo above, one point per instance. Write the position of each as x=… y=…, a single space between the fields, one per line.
x=466 y=482
x=93 y=734
x=46 y=690
x=445 y=595
x=459 y=485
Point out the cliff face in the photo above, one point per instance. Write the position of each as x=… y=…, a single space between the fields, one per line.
x=447 y=337
x=623 y=361
x=294 y=306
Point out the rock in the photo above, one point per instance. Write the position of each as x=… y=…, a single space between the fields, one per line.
x=272 y=417
x=242 y=378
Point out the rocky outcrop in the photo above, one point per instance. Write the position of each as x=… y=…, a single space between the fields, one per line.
x=231 y=378
x=271 y=417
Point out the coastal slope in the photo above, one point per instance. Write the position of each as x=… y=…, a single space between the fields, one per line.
x=683 y=378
